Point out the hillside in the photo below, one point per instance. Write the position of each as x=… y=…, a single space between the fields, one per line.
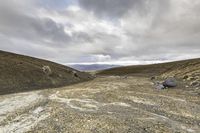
x=178 y=69
x=109 y=103
x=22 y=73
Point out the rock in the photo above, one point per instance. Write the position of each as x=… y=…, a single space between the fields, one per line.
x=124 y=77
x=170 y=82
x=185 y=77
x=160 y=86
x=153 y=78
x=195 y=84
x=60 y=75
x=47 y=70
x=75 y=74
x=190 y=78
x=197 y=77
x=20 y=63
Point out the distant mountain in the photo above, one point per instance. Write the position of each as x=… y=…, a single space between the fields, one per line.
x=92 y=67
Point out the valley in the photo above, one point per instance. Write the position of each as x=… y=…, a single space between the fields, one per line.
x=105 y=104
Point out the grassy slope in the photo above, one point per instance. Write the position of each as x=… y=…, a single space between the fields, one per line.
x=22 y=73
x=178 y=68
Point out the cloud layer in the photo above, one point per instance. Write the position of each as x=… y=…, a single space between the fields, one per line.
x=101 y=30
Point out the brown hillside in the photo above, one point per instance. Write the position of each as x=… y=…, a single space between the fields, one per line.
x=178 y=69
x=22 y=73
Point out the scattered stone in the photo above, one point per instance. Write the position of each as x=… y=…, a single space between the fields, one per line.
x=160 y=86
x=190 y=78
x=153 y=78
x=195 y=84
x=185 y=77
x=170 y=82
x=196 y=77
x=38 y=110
x=75 y=74
x=187 y=86
x=47 y=70
x=124 y=77
x=68 y=70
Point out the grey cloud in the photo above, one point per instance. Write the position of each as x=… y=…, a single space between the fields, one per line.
x=17 y=24
x=48 y=29
x=82 y=37
x=113 y=8
x=27 y=33
x=145 y=29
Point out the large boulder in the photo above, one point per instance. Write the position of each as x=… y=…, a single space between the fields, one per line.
x=170 y=82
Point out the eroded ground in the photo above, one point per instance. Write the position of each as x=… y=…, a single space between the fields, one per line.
x=104 y=105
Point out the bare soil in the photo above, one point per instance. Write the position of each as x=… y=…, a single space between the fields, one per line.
x=109 y=104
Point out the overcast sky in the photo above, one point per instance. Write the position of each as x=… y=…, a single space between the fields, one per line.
x=103 y=31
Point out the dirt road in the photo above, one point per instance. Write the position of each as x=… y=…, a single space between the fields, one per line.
x=105 y=105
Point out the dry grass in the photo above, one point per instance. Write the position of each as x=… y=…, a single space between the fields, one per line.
x=178 y=68
x=22 y=73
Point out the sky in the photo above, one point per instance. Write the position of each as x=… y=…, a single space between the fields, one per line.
x=119 y=32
